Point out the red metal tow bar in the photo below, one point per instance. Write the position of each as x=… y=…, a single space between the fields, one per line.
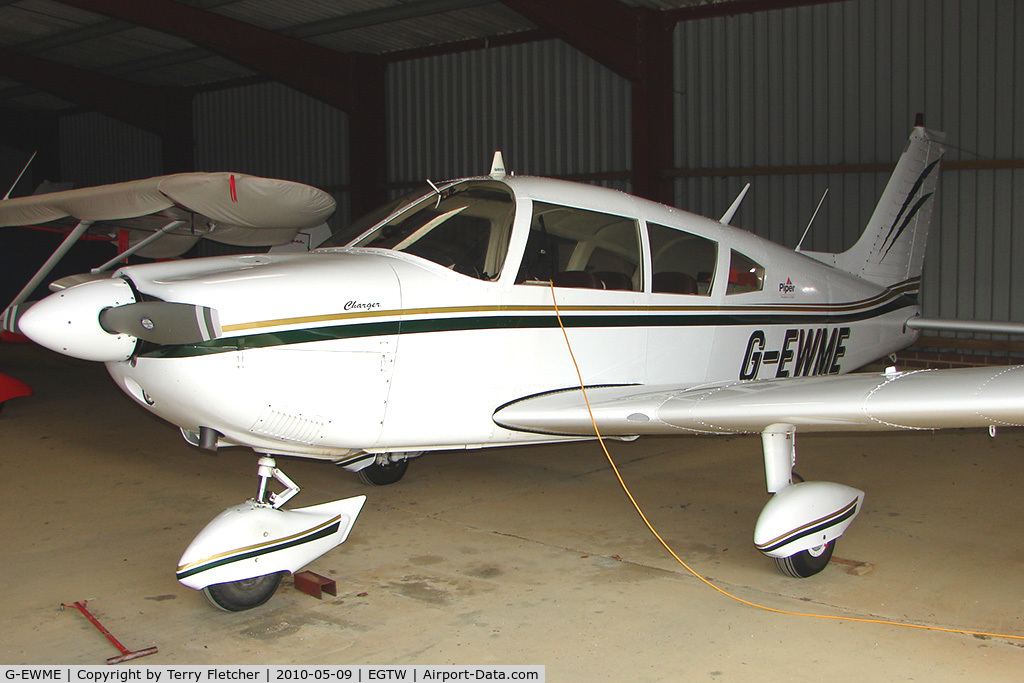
x=126 y=654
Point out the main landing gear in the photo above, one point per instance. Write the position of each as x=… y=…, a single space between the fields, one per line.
x=238 y=560
x=800 y=524
x=384 y=468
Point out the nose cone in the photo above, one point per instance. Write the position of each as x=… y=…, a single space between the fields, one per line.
x=68 y=322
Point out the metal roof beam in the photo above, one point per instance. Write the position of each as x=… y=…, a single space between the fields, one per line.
x=317 y=71
x=165 y=112
x=605 y=30
x=352 y=83
x=135 y=104
x=637 y=45
x=386 y=15
x=97 y=30
x=735 y=7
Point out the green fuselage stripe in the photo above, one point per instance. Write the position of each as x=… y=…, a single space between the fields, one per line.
x=520 y=322
x=256 y=552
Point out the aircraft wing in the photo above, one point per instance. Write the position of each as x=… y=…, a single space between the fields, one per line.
x=231 y=208
x=924 y=399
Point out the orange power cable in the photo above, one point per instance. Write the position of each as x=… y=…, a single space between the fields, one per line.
x=650 y=527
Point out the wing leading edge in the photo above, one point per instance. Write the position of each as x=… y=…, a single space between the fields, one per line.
x=923 y=399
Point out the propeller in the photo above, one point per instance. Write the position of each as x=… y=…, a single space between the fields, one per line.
x=163 y=322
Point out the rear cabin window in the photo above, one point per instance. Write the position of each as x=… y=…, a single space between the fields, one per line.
x=581 y=248
x=466 y=228
x=745 y=275
x=682 y=263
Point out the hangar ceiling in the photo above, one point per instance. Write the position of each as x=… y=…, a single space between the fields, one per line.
x=52 y=49
x=143 y=62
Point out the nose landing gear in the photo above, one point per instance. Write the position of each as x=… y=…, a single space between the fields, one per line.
x=238 y=559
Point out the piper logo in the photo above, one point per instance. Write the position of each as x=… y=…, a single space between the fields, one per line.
x=787 y=289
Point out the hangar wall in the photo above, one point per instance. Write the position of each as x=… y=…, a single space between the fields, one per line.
x=840 y=84
x=811 y=86
x=550 y=109
x=271 y=130
x=266 y=129
x=96 y=149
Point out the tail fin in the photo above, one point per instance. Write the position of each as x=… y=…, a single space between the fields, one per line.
x=891 y=249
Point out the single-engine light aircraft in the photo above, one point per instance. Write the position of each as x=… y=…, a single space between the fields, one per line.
x=370 y=352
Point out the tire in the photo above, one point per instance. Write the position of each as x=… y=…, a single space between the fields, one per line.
x=237 y=596
x=382 y=475
x=806 y=563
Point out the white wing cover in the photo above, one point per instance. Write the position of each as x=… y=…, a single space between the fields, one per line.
x=231 y=208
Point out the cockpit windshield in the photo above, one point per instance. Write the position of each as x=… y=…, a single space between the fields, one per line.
x=364 y=223
x=465 y=227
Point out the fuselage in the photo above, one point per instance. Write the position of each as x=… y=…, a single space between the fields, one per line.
x=412 y=336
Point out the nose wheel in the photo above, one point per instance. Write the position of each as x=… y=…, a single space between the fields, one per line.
x=237 y=596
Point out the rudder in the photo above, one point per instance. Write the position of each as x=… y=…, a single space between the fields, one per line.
x=891 y=249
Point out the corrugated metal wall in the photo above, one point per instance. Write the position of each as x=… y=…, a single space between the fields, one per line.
x=818 y=85
x=551 y=110
x=96 y=150
x=274 y=131
x=840 y=83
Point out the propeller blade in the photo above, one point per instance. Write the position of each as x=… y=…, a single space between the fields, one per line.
x=162 y=322
x=11 y=315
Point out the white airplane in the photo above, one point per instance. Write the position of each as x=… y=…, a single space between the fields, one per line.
x=436 y=329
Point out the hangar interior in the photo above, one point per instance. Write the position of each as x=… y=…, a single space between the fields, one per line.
x=681 y=101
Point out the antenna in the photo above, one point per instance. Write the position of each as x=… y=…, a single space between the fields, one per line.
x=24 y=168
x=808 y=228
x=727 y=217
x=497 y=166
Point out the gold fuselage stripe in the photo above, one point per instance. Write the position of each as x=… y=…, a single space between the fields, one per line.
x=512 y=308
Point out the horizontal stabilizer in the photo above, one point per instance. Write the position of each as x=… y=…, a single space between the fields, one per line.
x=984 y=326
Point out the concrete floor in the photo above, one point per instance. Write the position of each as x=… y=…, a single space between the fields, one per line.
x=511 y=556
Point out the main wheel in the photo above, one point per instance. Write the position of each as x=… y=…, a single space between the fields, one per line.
x=379 y=474
x=236 y=596
x=806 y=562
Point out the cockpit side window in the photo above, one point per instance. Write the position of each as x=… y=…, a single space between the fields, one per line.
x=466 y=228
x=581 y=248
x=745 y=275
x=682 y=263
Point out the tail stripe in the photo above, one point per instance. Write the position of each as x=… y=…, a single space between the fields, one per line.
x=910 y=196
x=906 y=221
x=902 y=216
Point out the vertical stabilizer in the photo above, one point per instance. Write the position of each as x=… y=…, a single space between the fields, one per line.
x=891 y=249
